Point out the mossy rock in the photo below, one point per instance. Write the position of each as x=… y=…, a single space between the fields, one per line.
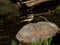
x=8 y=8
x=5 y=1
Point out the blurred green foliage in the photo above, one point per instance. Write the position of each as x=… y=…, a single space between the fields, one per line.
x=58 y=7
x=13 y=42
x=45 y=42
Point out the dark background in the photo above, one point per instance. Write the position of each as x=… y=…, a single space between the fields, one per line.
x=8 y=29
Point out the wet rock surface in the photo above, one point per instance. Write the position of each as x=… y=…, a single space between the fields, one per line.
x=37 y=31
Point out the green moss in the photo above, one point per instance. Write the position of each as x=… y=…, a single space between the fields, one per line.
x=33 y=43
x=58 y=7
x=5 y=1
x=45 y=42
x=13 y=42
x=8 y=8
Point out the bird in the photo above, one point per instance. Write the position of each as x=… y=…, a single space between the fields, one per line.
x=29 y=18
